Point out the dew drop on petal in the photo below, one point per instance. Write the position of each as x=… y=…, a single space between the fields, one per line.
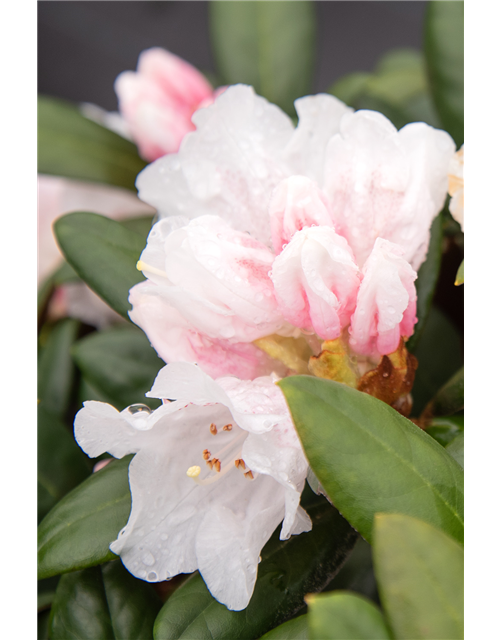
x=148 y=559
x=138 y=408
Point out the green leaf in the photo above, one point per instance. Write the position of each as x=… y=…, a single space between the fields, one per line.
x=420 y=573
x=449 y=399
x=460 y=275
x=351 y=87
x=269 y=45
x=104 y=253
x=369 y=458
x=439 y=355
x=357 y=573
x=289 y=569
x=120 y=363
x=73 y=146
x=427 y=280
x=445 y=429
x=56 y=369
x=77 y=533
x=295 y=629
x=104 y=602
x=62 y=465
x=456 y=448
x=444 y=53
x=345 y=616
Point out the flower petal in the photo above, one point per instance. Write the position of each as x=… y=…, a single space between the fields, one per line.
x=382 y=183
x=386 y=305
x=297 y=203
x=227 y=167
x=316 y=281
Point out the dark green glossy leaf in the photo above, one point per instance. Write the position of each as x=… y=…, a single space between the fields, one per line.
x=357 y=573
x=359 y=446
x=450 y=398
x=345 y=616
x=460 y=275
x=120 y=363
x=420 y=573
x=104 y=253
x=289 y=569
x=80 y=610
x=427 y=280
x=141 y=225
x=269 y=45
x=295 y=629
x=78 y=531
x=444 y=53
x=73 y=146
x=456 y=448
x=56 y=368
x=439 y=355
x=62 y=465
x=445 y=429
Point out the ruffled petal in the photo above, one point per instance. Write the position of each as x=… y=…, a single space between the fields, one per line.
x=319 y=120
x=175 y=339
x=227 y=167
x=386 y=305
x=382 y=183
x=297 y=203
x=316 y=281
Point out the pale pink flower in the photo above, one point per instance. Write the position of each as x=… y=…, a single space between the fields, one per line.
x=321 y=195
x=214 y=473
x=158 y=100
x=456 y=186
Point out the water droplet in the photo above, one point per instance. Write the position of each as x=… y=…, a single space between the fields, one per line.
x=391 y=310
x=148 y=559
x=163 y=536
x=152 y=576
x=258 y=297
x=138 y=408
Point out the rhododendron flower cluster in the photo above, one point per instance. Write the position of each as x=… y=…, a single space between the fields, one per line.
x=270 y=233
x=215 y=472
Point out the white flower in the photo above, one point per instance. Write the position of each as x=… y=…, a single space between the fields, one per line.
x=215 y=472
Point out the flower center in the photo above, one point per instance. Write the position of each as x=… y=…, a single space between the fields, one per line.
x=224 y=461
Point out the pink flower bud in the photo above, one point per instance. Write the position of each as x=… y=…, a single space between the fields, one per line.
x=158 y=100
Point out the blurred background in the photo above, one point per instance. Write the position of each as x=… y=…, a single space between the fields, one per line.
x=83 y=46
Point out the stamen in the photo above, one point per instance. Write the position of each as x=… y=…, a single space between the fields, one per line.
x=210 y=463
x=216 y=462
x=142 y=266
x=249 y=475
x=213 y=429
x=206 y=454
x=193 y=472
x=227 y=427
x=239 y=463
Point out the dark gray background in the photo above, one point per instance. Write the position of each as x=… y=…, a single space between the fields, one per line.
x=83 y=46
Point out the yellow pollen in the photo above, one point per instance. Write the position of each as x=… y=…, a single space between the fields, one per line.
x=193 y=472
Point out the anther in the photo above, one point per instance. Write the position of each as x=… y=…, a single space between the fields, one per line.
x=210 y=463
x=206 y=454
x=239 y=464
x=193 y=472
x=249 y=475
x=216 y=462
x=213 y=429
x=227 y=427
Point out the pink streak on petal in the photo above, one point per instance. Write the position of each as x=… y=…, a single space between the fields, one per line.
x=297 y=203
